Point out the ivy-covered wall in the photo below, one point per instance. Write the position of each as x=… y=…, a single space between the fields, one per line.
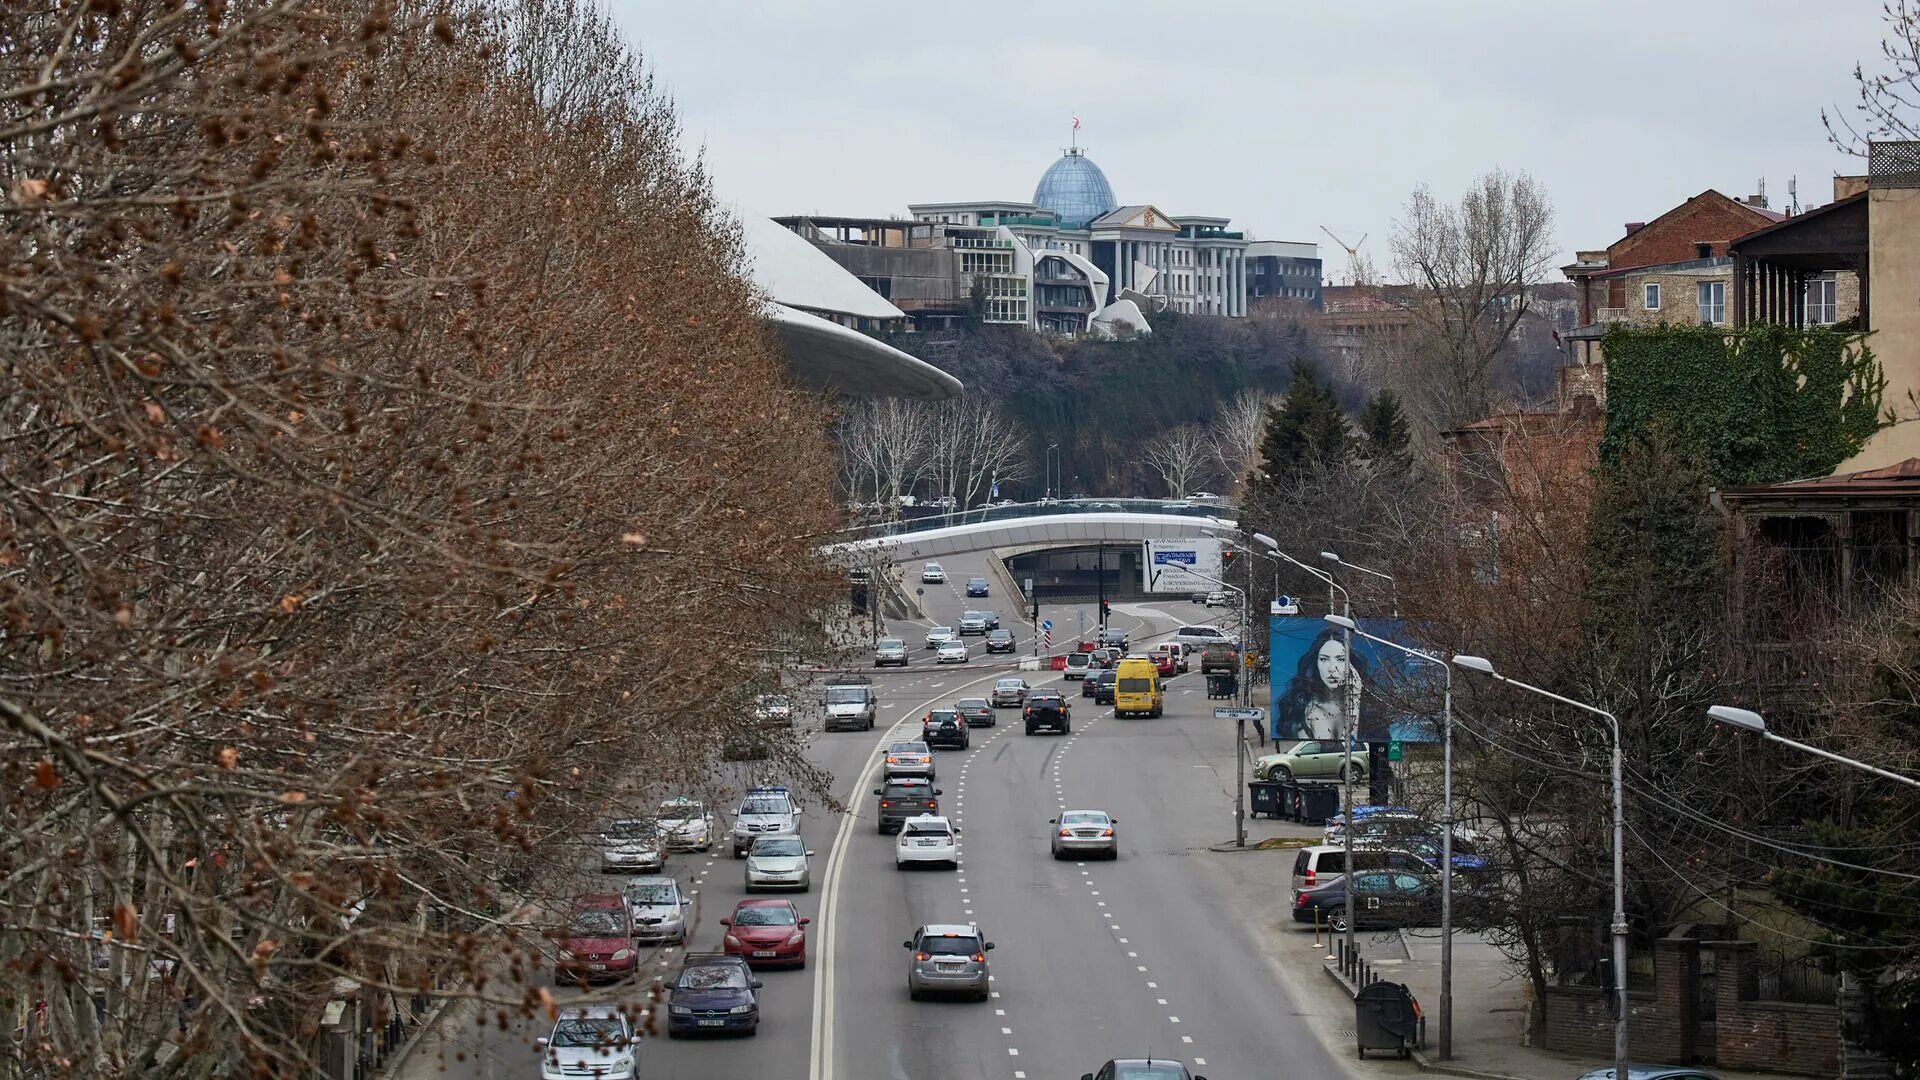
x=1765 y=404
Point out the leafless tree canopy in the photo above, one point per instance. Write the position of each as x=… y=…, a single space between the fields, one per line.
x=1183 y=458
x=1468 y=268
x=950 y=449
x=380 y=402
x=1237 y=432
x=1889 y=102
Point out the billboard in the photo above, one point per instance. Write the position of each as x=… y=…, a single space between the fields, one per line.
x=1177 y=566
x=1314 y=683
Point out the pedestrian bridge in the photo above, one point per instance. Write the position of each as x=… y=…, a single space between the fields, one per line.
x=1037 y=525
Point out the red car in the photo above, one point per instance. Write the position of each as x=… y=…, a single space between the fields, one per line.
x=1163 y=661
x=767 y=932
x=598 y=941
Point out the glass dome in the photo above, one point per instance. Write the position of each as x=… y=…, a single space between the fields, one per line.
x=1075 y=190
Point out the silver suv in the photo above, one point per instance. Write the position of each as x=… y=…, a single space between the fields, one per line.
x=890 y=651
x=764 y=811
x=948 y=958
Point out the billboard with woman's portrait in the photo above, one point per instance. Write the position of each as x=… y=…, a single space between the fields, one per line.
x=1314 y=683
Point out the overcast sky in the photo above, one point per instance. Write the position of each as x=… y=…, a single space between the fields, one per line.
x=1284 y=115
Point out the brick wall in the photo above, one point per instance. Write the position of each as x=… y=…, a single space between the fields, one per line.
x=1707 y=218
x=1777 y=1036
x=1579 y=1022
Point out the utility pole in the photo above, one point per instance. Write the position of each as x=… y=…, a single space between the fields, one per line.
x=1100 y=575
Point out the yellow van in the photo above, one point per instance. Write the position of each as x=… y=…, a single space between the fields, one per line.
x=1136 y=688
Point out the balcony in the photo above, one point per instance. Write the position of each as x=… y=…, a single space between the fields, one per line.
x=970 y=242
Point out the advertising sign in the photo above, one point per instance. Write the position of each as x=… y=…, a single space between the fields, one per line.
x=1177 y=566
x=1314 y=683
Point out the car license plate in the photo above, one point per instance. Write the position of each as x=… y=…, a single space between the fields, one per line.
x=763 y=952
x=712 y=1023
x=596 y=967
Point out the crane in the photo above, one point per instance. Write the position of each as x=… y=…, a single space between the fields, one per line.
x=1358 y=272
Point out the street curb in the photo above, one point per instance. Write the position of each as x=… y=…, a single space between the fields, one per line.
x=398 y=1059
x=1441 y=1067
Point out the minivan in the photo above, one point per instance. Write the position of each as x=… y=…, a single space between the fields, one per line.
x=1324 y=862
x=1077 y=665
x=1136 y=688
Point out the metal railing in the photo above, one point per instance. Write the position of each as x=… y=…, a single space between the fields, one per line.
x=1045 y=508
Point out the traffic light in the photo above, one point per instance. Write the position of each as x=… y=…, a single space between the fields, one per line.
x=1106 y=609
x=1226 y=558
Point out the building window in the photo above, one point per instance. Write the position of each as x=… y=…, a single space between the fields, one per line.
x=1822 y=308
x=1713 y=302
x=1703 y=251
x=1652 y=300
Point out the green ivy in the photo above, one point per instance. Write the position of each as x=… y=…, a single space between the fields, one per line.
x=1765 y=404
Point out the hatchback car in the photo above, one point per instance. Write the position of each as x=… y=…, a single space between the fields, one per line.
x=591 y=1040
x=976 y=586
x=940 y=635
x=1009 y=693
x=632 y=845
x=1000 y=641
x=948 y=958
x=928 y=839
x=1085 y=832
x=1103 y=686
x=659 y=911
x=932 y=574
x=907 y=797
x=975 y=711
x=945 y=727
x=767 y=932
x=685 y=825
x=597 y=943
x=779 y=862
x=1104 y=657
x=1311 y=760
x=909 y=758
x=952 y=652
x=713 y=993
x=890 y=651
x=1649 y=1072
x=973 y=622
x=1382 y=899
x=1077 y=665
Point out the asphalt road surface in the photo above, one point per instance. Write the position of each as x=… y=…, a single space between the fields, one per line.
x=1093 y=960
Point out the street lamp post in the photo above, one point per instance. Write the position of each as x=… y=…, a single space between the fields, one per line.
x=1446 y=822
x=1239 y=728
x=1393 y=593
x=1349 y=713
x=1754 y=722
x=1052 y=448
x=1619 y=928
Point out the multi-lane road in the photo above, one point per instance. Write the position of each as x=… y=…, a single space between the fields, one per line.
x=1094 y=960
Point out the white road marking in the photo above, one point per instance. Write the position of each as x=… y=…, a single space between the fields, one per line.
x=1184 y=1038
x=1012 y=1052
x=1199 y=1061
x=1006 y=1031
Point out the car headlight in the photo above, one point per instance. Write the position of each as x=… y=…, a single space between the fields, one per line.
x=680 y=1010
x=796 y=938
x=741 y=1010
x=566 y=954
x=622 y=1065
x=623 y=954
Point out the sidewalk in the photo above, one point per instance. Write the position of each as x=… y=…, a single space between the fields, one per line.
x=1489 y=997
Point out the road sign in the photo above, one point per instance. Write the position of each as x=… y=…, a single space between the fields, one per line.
x=1049 y=639
x=1027 y=586
x=1046 y=624
x=1234 y=712
x=1393 y=750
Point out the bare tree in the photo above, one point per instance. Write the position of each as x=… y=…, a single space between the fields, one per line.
x=1468 y=269
x=972 y=445
x=1889 y=104
x=1182 y=457
x=885 y=447
x=1238 y=430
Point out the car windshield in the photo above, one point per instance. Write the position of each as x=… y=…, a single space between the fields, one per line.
x=1045 y=697
x=781 y=847
x=1084 y=817
x=1000 y=635
x=773 y=701
x=650 y=894
x=765 y=915
x=846 y=695
x=596 y=922
x=971 y=703
x=1150 y=1072
x=715 y=977
x=588 y=1031
x=764 y=806
x=908 y=748
x=950 y=946
x=943 y=716
x=926 y=828
x=679 y=811
x=940 y=630
x=906 y=791
x=1010 y=684
x=628 y=829
x=891 y=643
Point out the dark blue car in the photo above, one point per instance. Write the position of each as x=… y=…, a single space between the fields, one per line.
x=713 y=993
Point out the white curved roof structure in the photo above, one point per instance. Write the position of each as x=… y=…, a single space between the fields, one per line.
x=1047 y=530
x=801 y=280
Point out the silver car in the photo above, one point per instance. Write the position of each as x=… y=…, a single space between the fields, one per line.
x=1085 y=832
x=779 y=862
x=632 y=845
x=659 y=911
x=973 y=622
x=940 y=635
x=909 y=758
x=765 y=811
x=1009 y=693
x=948 y=958
x=889 y=651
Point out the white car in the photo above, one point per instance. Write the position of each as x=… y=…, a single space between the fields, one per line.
x=591 y=1040
x=1202 y=636
x=773 y=710
x=779 y=862
x=927 y=839
x=1218 y=598
x=953 y=652
x=765 y=811
x=685 y=825
x=932 y=574
x=940 y=635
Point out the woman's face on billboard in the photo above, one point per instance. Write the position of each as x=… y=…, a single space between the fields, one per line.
x=1333 y=665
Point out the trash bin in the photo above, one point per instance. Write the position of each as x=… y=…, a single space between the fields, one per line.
x=1386 y=1017
x=1264 y=797
x=1318 y=802
x=1222 y=684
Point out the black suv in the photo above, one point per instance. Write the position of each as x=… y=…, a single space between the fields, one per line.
x=1103 y=683
x=1047 y=709
x=906 y=797
x=945 y=727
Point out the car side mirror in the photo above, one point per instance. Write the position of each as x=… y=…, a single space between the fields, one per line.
x=989 y=947
x=809 y=854
x=936 y=791
x=541 y=1042
x=1053 y=821
x=686 y=900
x=756 y=984
x=1113 y=821
x=907 y=944
x=877 y=791
x=726 y=921
x=1086 y=1076
x=804 y=921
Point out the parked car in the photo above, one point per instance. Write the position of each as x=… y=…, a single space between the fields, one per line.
x=975 y=711
x=1219 y=657
x=903 y=798
x=1316 y=865
x=976 y=586
x=1009 y=693
x=658 y=910
x=1311 y=760
x=597 y=943
x=945 y=727
x=999 y=641
x=948 y=958
x=714 y=993
x=767 y=932
x=932 y=574
x=890 y=651
x=589 y=1040
x=1382 y=900
x=1048 y=710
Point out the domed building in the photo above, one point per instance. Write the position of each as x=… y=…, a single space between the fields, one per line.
x=1075 y=190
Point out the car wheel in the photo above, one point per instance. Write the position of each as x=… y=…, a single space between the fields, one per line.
x=912 y=994
x=1337 y=919
x=1355 y=772
x=672 y=1033
x=1280 y=773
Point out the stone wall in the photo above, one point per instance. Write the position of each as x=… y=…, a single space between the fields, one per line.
x=1775 y=1036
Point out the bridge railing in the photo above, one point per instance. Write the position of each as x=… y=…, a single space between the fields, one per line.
x=1047 y=508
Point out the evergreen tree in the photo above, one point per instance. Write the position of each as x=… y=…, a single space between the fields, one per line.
x=1308 y=430
x=1384 y=423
